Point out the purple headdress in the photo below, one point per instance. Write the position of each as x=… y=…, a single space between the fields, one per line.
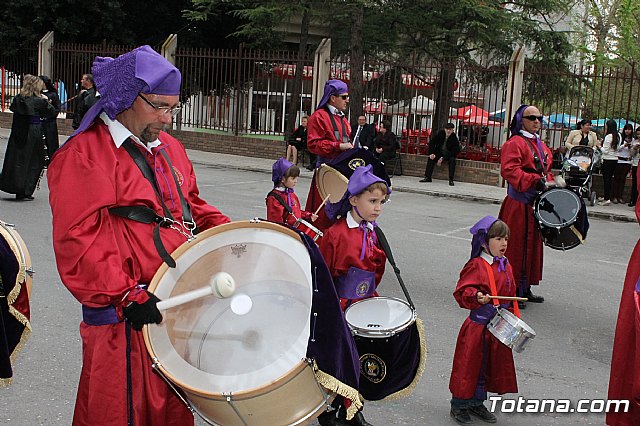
x=516 y=122
x=360 y=180
x=480 y=231
x=332 y=88
x=279 y=169
x=120 y=80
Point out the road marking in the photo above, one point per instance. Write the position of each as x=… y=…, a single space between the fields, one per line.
x=612 y=263
x=231 y=183
x=466 y=228
x=440 y=235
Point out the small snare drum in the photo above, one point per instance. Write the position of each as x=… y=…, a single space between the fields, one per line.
x=309 y=229
x=510 y=330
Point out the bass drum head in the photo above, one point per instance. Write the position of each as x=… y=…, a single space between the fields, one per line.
x=212 y=345
x=557 y=208
x=331 y=182
x=379 y=317
x=561 y=239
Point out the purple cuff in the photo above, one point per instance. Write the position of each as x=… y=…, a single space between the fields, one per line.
x=356 y=284
x=99 y=316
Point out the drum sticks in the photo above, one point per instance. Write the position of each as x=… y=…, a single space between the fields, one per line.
x=519 y=299
x=222 y=285
x=323 y=203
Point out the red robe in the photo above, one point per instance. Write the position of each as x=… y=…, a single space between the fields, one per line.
x=277 y=213
x=100 y=257
x=624 y=382
x=515 y=157
x=341 y=247
x=322 y=141
x=500 y=374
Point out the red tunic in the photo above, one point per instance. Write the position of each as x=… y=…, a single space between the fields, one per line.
x=277 y=213
x=321 y=141
x=624 y=382
x=515 y=157
x=500 y=374
x=341 y=247
x=100 y=257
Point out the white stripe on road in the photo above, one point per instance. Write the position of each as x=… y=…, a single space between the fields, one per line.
x=440 y=235
x=611 y=263
x=231 y=183
x=466 y=228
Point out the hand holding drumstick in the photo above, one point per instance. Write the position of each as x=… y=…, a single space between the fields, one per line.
x=314 y=215
x=483 y=299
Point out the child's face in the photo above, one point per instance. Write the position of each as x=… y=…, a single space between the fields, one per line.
x=498 y=246
x=369 y=204
x=290 y=182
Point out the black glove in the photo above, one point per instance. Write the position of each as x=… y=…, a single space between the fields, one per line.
x=540 y=186
x=146 y=313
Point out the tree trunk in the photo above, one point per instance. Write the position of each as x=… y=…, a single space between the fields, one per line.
x=356 y=61
x=444 y=95
x=294 y=102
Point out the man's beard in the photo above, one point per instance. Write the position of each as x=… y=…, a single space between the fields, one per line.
x=147 y=136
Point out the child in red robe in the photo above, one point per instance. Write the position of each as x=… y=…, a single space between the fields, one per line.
x=351 y=250
x=481 y=362
x=285 y=176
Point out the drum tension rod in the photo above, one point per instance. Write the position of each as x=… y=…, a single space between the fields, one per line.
x=156 y=366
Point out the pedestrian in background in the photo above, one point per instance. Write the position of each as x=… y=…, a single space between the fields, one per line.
x=87 y=97
x=50 y=125
x=609 y=159
x=24 y=159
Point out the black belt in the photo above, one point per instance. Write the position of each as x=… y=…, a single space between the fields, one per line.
x=624 y=158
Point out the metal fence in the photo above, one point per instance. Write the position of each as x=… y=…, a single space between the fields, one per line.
x=12 y=68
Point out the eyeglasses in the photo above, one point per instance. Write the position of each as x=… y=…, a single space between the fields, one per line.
x=534 y=117
x=345 y=97
x=162 y=110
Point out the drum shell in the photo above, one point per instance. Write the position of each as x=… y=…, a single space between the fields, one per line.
x=309 y=229
x=510 y=330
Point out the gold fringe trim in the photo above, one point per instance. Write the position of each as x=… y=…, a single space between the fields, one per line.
x=334 y=385
x=20 y=317
x=21 y=277
x=26 y=333
x=5 y=382
x=402 y=393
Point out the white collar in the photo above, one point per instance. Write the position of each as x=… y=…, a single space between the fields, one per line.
x=352 y=222
x=334 y=110
x=528 y=135
x=280 y=188
x=119 y=133
x=486 y=256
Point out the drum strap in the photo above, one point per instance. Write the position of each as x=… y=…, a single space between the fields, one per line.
x=494 y=290
x=382 y=239
x=286 y=206
x=336 y=132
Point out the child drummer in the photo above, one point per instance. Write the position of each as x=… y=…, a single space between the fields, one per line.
x=283 y=205
x=481 y=362
x=351 y=250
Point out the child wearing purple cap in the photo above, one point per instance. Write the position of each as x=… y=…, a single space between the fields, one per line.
x=481 y=362
x=350 y=247
x=283 y=205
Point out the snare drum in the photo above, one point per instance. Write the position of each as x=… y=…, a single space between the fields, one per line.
x=309 y=229
x=556 y=211
x=510 y=330
x=241 y=360
x=391 y=346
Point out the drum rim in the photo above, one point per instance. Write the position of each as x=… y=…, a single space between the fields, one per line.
x=555 y=225
x=23 y=252
x=309 y=225
x=324 y=169
x=162 y=270
x=383 y=332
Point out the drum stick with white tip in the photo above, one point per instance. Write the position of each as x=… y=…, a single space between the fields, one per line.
x=221 y=285
x=519 y=299
x=323 y=203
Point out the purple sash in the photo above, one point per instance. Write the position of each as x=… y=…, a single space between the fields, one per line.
x=356 y=284
x=99 y=316
x=485 y=313
x=526 y=197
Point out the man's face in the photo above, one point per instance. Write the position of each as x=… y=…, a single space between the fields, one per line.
x=362 y=121
x=86 y=83
x=448 y=132
x=528 y=123
x=147 y=122
x=340 y=101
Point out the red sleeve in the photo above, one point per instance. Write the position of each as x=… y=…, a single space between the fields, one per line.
x=87 y=255
x=320 y=138
x=472 y=279
x=514 y=156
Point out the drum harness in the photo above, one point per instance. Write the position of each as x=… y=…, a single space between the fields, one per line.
x=147 y=215
x=286 y=206
x=384 y=244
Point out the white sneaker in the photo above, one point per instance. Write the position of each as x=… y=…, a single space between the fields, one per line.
x=605 y=203
x=600 y=198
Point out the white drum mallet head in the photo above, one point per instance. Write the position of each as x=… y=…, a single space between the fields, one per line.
x=223 y=285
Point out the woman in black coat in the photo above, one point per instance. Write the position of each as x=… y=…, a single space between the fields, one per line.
x=50 y=125
x=385 y=142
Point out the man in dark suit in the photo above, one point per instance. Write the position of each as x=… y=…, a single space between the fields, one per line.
x=363 y=134
x=444 y=146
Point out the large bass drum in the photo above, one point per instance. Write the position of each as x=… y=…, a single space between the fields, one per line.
x=241 y=360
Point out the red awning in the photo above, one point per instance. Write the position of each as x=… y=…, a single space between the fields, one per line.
x=288 y=71
x=469 y=111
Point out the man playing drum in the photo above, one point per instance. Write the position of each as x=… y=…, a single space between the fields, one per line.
x=120 y=157
x=525 y=163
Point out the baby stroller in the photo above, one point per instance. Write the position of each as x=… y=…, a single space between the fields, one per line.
x=577 y=172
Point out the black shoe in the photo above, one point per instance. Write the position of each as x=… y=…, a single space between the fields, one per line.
x=533 y=298
x=24 y=197
x=328 y=418
x=461 y=415
x=357 y=420
x=482 y=413
x=425 y=180
x=451 y=183
x=522 y=305
x=631 y=204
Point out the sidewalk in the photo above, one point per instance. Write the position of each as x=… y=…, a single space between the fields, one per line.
x=437 y=188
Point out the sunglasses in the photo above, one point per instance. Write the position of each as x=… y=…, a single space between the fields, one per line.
x=534 y=117
x=345 y=97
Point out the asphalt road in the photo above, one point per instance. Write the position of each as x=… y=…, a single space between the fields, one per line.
x=569 y=358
